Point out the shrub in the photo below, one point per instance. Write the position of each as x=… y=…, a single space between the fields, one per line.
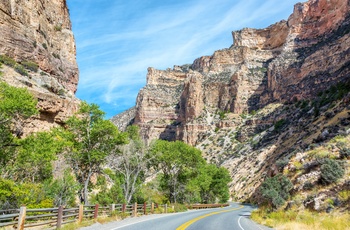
x=45 y=46
x=344 y=151
x=30 y=65
x=20 y=69
x=279 y=124
x=7 y=61
x=276 y=190
x=331 y=171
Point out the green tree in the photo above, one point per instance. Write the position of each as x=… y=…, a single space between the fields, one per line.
x=62 y=190
x=178 y=162
x=17 y=104
x=209 y=185
x=276 y=190
x=34 y=157
x=92 y=139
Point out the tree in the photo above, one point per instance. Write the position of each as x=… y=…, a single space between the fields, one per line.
x=34 y=157
x=131 y=162
x=17 y=104
x=276 y=190
x=209 y=185
x=92 y=139
x=62 y=190
x=178 y=162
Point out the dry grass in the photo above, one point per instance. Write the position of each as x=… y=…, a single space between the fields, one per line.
x=291 y=220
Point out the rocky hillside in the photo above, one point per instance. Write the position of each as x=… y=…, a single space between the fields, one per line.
x=274 y=94
x=38 y=49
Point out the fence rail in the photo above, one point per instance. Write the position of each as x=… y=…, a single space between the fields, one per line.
x=56 y=217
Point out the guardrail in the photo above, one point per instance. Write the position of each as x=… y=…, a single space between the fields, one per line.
x=56 y=217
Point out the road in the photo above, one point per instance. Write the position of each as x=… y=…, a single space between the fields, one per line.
x=235 y=217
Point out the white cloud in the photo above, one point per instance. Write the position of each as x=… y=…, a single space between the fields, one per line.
x=118 y=40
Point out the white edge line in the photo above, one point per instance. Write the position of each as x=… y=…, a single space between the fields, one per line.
x=239 y=224
x=250 y=220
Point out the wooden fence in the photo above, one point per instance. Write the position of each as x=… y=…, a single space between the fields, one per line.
x=56 y=217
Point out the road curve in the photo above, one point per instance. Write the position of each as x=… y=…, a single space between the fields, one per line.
x=235 y=217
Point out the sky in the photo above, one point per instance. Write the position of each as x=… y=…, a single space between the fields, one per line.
x=117 y=40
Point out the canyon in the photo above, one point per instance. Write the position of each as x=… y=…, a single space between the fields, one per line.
x=242 y=105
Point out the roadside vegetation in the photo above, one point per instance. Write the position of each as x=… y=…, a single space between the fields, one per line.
x=318 y=198
x=94 y=162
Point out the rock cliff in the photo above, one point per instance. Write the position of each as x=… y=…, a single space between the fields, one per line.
x=39 y=32
x=265 y=98
x=292 y=59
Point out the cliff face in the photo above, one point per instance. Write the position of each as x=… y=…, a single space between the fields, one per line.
x=40 y=32
x=270 y=96
x=289 y=60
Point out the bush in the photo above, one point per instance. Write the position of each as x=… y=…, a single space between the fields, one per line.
x=30 y=65
x=276 y=190
x=20 y=69
x=331 y=171
x=7 y=61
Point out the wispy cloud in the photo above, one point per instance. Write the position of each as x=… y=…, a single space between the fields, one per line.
x=118 y=40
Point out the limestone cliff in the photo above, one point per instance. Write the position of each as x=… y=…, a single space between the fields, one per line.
x=40 y=32
x=256 y=102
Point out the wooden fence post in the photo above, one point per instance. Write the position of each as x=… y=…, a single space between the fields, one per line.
x=123 y=208
x=96 y=211
x=59 y=216
x=112 y=209
x=81 y=213
x=152 y=208
x=145 y=208
x=135 y=210
x=166 y=208
x=21 y=218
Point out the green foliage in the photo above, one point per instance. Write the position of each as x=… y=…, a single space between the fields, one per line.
x=276 y=190
x=21 y=70
x=186 y=177
x=30 y=65
x=62 y=190
x=7 y=61
x=35 y=155
x=16 y=105
x=13 y=195
x=92 y=139
x=177 y=162
x=44 y=46
x=331 y=171
x=222 y=114
x=16 y=102
x=279 y=124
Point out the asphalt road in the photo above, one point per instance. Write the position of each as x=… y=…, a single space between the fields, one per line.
x=235 y=217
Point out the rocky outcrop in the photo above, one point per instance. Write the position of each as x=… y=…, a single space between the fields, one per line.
x=290 y=60
x=124 y=119
x=40 y=32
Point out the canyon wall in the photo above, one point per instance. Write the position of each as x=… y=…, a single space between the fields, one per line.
x=40 y=32
x=290 y=60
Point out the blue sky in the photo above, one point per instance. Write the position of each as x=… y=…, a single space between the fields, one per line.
x=117 y=40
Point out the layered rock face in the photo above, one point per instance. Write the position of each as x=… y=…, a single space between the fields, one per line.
x=289 y=60
x=40 y=32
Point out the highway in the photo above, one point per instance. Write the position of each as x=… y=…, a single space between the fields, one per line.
x=235 y=217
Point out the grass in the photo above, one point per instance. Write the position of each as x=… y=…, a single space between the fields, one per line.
x=73 y=226
x=290 y=220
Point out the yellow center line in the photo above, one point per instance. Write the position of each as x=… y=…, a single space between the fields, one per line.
x=188 y=223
